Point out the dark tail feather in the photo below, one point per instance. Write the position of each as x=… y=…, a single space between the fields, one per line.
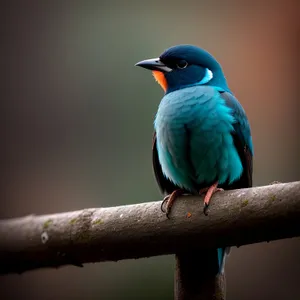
x=222 y=253
x=198 y=275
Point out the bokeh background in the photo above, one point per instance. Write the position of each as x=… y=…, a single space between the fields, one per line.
x=77 y=122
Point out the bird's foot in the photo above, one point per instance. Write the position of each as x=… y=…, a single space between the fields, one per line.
x=209 y=193
x=169 y=200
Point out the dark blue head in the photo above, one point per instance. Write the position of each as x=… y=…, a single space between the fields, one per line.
x=185 y=65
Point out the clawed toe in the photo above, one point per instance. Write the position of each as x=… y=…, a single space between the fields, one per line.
x=162 y=204
x=209 y=191
x=169 y=200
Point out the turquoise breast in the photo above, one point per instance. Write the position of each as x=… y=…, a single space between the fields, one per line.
x=194 y=141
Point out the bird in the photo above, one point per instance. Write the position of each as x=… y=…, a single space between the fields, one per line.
x=202 y=140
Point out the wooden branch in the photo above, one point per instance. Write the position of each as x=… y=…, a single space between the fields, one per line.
x=196 y=276
x=234 y=218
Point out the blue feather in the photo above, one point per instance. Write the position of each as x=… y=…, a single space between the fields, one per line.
x=194 y=140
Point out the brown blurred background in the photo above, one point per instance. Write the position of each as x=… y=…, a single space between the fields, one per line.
x=77 y=123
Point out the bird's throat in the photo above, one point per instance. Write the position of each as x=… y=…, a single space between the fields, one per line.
x=161 y=79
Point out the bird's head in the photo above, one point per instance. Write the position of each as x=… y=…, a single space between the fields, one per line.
x=183 y=66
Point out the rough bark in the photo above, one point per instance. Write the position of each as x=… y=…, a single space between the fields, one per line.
x=234 y=218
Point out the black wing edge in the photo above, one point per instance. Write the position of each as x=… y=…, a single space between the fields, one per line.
x=165 y=185
x=244 y=152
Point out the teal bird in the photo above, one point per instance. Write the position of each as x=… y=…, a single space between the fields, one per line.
x=202 y=141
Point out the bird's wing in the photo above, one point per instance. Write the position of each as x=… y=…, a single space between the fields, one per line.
x=165 y=185
x=242 y=140
x=243 y=143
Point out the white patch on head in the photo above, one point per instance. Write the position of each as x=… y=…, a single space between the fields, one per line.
x=207 y=77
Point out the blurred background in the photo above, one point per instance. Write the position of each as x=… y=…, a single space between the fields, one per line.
x=77 y=123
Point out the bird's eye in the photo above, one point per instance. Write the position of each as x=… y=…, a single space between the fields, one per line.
x=182 y=64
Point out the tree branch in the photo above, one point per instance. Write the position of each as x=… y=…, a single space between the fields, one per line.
x=234 y=218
